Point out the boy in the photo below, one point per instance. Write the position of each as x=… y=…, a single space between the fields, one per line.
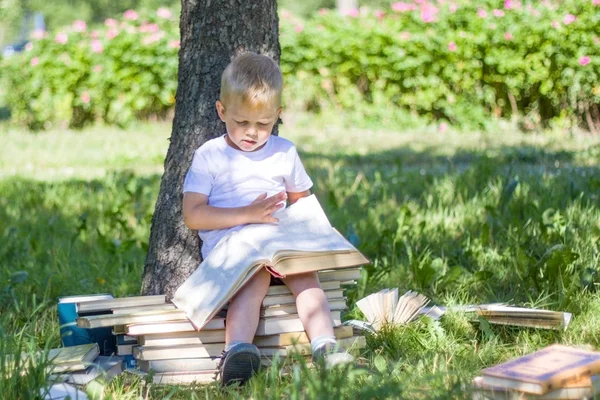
x=244 y=177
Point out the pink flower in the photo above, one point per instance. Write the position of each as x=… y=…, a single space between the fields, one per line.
x=111 y=33
x=452 y=46
x=163 y=12
x=323 y=11
x=379 y=14
x=508 y=4
x=354 y=13
x=403 y=7
x=61 y=38
x=569 y=19
x=481 y=13
x=97 y=69
x=453 y=7
x=85 y=97
x=111 y=22
x=149 y=28
x=96 y=46
x=155 y=37
x=285 y=14
x=508 y=36
x=298 y=28
x=428 y=12
x=38 y=34
x=596 y=2
x=79 y=26
x=443 y=127
x=35 y=61
x=405 y=35
x=585 y=60
x=498 y=13
x=174 y=44
x=94 y=34
x=555 y=24
x=130 y=15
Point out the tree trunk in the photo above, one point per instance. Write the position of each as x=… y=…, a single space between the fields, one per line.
x=212 y=33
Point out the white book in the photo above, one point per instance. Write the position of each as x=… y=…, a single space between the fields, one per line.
x=275 y=326
x=283 y=310
x=181 y=338
x=172 y=326
x=109 y=304
x=343 y=275
x=143 y=309
x=305 y=349
x=290 y=299
x=179 y=378
x=146 y=353
x=302 y=241
x=180 y=365
x=384 y=307
x=103 y=367
x=283 y=289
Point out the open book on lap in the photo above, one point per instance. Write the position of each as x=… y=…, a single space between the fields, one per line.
x=302 y=241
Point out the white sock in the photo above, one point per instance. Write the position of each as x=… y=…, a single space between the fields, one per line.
x=231 y=344
x=321 y=340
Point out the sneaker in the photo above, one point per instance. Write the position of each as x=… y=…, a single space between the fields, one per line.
x=332 y=355
x=239 y=363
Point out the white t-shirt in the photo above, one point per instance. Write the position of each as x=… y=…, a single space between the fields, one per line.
x=234 y=178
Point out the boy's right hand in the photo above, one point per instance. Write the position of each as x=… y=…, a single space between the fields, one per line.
x=261 y=209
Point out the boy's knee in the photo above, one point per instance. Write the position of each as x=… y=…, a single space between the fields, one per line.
x=301 y=282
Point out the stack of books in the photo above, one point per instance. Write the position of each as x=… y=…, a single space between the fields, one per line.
x=554 y=372
x=160 y=338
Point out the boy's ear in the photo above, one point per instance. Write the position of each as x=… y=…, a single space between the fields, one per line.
x=220 y=110
x=279 y=112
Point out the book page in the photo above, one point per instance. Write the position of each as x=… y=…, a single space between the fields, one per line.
x=302 y=227
x=238 y=256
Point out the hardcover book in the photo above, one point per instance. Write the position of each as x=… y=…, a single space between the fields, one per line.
x=547 y=369
x=586 y=388
x=302 y=241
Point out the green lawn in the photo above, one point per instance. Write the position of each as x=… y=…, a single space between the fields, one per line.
x=462 y=218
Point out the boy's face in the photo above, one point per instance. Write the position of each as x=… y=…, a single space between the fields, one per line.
x=248 y=125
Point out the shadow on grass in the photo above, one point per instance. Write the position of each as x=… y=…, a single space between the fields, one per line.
x=408 y=210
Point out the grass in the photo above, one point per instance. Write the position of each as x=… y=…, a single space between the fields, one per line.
x=462 y=218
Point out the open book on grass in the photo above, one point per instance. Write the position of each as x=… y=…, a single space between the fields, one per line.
x=302 y=241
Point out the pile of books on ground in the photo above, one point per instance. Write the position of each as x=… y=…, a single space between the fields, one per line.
x=554 y=372
x=157 y=337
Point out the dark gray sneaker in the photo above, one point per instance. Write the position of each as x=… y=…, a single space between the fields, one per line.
x=239 y=363
x=332 y=355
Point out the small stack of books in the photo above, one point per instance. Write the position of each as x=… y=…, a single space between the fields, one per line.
x=554 y=372
x=162 y=339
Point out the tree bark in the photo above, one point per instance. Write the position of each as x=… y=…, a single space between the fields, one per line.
x=212 y=33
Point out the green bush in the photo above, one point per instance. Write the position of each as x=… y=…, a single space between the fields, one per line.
x=120 y=72
x=458 y=63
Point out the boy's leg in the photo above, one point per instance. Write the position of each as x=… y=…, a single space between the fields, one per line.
x=311 y=303
x=313 y=310
x=241 y=359
x=244 y=309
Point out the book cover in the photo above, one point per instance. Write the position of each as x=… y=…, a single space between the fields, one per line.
x=302 y=241
x=543 y=370
x=586 y=388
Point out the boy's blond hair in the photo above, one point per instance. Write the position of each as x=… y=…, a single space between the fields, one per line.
x=253 y=78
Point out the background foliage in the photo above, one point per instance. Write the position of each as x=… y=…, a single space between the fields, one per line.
x=460 y=63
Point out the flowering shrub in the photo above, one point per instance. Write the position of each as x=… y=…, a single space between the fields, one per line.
x=125 y=70
x=457 y=62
